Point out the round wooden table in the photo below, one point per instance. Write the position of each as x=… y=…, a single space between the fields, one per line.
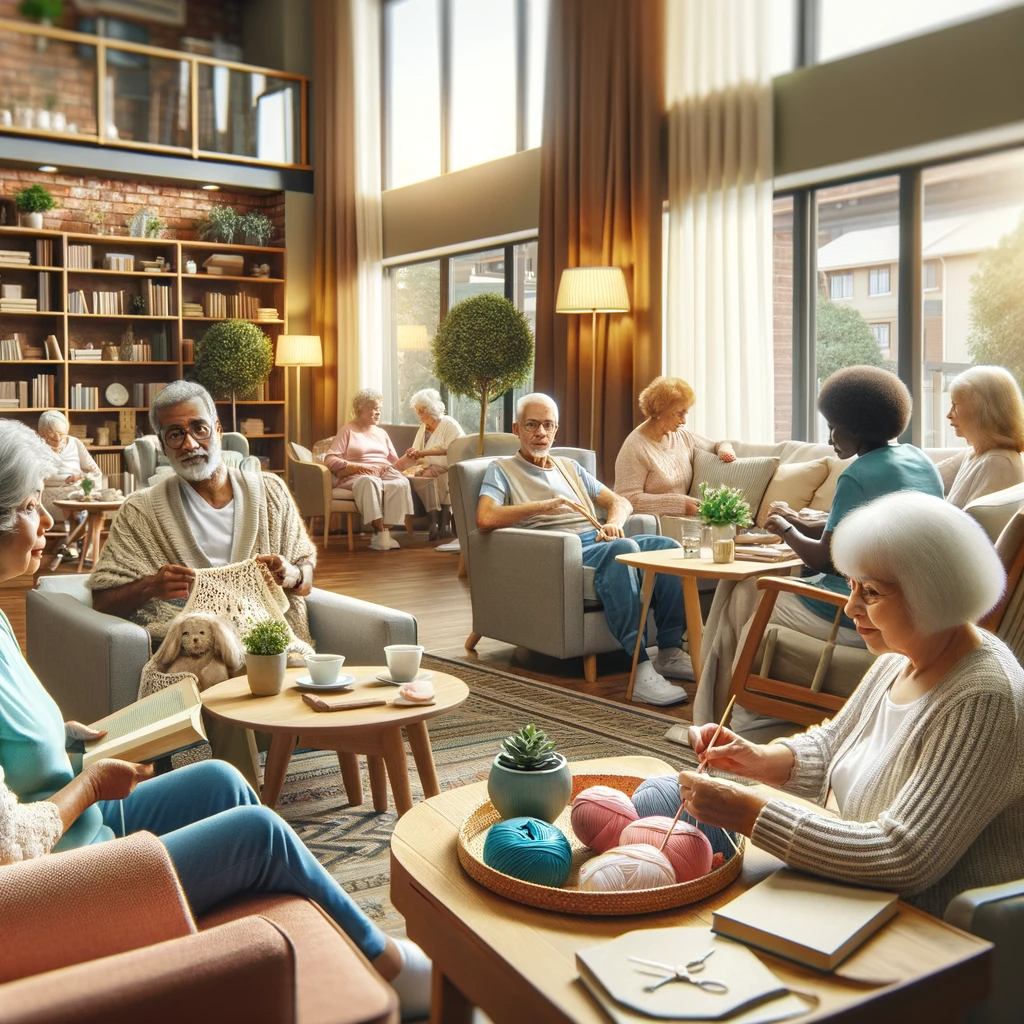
x=95 y=511
x=375 y=732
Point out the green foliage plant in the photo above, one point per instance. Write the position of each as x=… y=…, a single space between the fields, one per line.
x=257 y=228
x=233 y=358
x=221 y=225
x=996 y=310
x=528 y=750
x=483 y=348
x=844 y=338
x=266 y=637
x=723 y=506
x=145 y=224
x=41 y=10
x=34 y=199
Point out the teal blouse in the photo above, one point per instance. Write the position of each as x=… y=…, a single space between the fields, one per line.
x=32 y=752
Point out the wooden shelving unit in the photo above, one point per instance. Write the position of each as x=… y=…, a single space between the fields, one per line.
x=82 y=330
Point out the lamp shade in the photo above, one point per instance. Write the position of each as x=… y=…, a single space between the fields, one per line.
x=299 y=350
x=413 y=338
x=592 y=290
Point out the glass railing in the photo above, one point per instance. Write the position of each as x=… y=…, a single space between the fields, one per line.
x=77 y=86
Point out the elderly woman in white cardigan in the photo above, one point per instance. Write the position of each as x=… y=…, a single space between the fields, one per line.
x=75 y=464
x=926 y=759
x=426 y=462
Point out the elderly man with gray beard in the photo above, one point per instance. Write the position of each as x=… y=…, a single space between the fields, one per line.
x=206 y=514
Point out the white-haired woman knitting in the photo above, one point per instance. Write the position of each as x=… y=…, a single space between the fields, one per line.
x=428 y=457
x=363 y=460
x=926 y=759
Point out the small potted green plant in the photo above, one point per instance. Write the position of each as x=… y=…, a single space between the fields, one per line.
x=257 y=228
x=722 y=509
x=222 y=223
x=529 y=778
x=46 y=12
x=266 y=656
x=33 y=202
x=145 y=224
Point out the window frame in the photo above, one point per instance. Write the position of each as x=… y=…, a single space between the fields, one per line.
x=834 y=277
x=873 y=273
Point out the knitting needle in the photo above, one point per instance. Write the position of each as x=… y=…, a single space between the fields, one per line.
x=702 y=768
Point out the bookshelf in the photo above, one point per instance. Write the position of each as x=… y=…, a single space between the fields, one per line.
x=75 y=277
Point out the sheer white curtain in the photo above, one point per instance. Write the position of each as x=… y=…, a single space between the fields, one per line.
x=719 y=280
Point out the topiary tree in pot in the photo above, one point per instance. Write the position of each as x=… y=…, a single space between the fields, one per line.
x=483 y=348
x=233 y=358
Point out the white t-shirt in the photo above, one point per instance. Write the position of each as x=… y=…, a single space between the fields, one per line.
x=213 y=528
x=867 y=748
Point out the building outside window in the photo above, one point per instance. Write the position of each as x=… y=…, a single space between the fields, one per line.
x=840 y=286
x=881 y=333
x=932 y=275
x=878 y=281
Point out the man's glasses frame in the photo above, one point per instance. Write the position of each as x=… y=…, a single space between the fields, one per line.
x=174 y=437
x=532 y=426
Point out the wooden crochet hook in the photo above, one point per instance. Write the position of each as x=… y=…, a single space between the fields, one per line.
x=319 y=704
x=700 y=770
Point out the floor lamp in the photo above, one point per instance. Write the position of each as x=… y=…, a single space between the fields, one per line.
x=592 y=290
x=297 y=350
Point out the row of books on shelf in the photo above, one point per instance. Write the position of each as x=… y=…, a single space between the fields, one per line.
x=36 y=393
x=158 y=299
x=15 y=348
x=81 y=396
x=86 y=355
x=109 y=463
x=143 y=394
x=79 y=257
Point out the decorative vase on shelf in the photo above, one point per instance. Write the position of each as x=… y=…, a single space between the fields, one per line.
x=190 y=267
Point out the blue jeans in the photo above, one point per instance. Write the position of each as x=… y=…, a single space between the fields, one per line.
x=618 y=587
x=224 y=843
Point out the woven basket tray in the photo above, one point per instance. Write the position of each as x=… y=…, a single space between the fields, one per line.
x=569 y=899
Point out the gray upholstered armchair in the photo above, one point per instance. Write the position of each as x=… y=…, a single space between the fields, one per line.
x=530 y=587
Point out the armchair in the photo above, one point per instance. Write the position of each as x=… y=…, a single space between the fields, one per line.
x=145 y=460
x=79 y=945
x=530 y=587
x=314 y=493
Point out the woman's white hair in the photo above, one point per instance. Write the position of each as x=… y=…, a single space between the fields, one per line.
x=534 y=397
x=428 y=399
x=365 y=396
x=992 y=404
x=25 y=460
x=177 y=393
x=53 y=419
x=938 y=556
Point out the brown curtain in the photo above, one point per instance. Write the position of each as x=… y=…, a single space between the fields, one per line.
x=335 y=315
x=600 y=205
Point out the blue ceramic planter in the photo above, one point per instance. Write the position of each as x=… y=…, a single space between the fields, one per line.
x=541 y=795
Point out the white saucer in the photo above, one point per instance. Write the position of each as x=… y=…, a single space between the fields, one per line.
x=400 y=703
x=383 y=677
x=343 y=683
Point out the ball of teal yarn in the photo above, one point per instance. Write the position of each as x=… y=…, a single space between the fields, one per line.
x=659 y=795
x=528 y=849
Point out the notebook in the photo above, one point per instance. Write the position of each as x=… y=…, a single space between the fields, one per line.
x=806 y=919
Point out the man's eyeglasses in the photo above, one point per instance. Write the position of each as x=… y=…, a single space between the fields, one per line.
x=174 y=437
x=532 y=426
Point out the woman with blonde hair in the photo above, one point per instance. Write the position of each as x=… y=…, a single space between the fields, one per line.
x=987 y=411
x=364 y=461
x=654 y=468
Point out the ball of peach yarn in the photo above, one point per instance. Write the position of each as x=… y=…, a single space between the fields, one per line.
x=627 y=867
x=687 y=849
x=599 y=814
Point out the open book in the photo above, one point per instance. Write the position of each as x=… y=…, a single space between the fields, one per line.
x=160 y=724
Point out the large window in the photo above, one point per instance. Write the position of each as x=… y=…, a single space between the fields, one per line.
x=465 y=83
x=421 y=295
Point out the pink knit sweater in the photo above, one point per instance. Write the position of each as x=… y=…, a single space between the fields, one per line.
x=656 y=475
x=374 y=448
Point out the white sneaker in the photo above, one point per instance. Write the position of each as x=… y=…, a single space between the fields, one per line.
x=382 y=541
x=652 y=688
x=674 y=663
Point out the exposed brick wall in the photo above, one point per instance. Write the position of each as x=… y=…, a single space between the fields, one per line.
x=83 y=198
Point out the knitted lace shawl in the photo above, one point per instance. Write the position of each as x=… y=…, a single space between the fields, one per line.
x=26 y=830
x=151 y=530
x=941 y=811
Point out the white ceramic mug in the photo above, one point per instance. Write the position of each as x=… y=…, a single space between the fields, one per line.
x=324 y=668
x=403 y=661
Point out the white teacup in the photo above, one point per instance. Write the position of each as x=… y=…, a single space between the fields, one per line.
x=403 y=661
x=324 y=668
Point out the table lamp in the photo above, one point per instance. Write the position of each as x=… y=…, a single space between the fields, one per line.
x=592 y=290
x=297 y=350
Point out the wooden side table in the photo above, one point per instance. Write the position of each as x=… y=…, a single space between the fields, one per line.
x=95 y=511
x=375 y=732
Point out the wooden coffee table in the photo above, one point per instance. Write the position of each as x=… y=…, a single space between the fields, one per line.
x=375 y=732
x=518 y=963
x=689 y=570
x=95 y=511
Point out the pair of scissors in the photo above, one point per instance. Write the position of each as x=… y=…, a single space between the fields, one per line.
x=682 y=972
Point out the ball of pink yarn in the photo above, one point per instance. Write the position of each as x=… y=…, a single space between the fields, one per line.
x=599 y=814
x=687 y=849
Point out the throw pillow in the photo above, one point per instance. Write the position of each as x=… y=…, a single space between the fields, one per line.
x=794 y=484
x=822 y=500
x=749 y=476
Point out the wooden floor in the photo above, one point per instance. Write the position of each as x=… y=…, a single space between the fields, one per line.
x=422 y=581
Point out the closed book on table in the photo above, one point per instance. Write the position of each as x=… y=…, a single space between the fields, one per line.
x=806 y=919
x=160 y=724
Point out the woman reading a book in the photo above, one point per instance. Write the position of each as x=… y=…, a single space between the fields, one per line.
x=926 y=759
x=222 y=841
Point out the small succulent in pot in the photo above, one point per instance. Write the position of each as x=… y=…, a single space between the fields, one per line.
x=529 y=778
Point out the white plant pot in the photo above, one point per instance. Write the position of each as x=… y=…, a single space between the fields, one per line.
x=32 y=220
x=265 y=673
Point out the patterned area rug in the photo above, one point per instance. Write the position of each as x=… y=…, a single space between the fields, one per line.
x=353 y=842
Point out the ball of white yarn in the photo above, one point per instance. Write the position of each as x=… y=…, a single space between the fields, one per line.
x=636 y=866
